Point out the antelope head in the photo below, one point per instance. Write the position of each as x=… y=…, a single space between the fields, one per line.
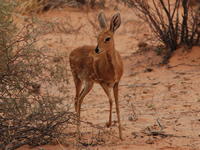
x=105 y=39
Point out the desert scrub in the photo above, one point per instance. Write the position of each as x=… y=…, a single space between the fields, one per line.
x=37 y=6
x=159 y=49
x=32 y=84
x=164 y=21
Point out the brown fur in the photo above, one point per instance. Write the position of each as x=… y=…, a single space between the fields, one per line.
x=104 y=67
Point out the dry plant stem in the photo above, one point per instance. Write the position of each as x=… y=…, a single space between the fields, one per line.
x=183 y=64
x=139 y=85
x=60 y=144
x=25 y=132
x=28 y=116
x=164 y=21
x=86 y=144
x=96 y=139
x=156 y=133
x=101 y=128
x=135 y=135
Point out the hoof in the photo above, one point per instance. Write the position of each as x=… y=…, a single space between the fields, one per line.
x=121 y=138
x=108 y=124
x=78 y=137
x=75 y=107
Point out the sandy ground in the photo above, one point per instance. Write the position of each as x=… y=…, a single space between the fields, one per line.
x=170 y=93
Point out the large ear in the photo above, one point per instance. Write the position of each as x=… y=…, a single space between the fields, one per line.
x=102 y=19
x=115 y=22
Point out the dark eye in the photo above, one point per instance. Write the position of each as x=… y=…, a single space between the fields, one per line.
x=107 y=39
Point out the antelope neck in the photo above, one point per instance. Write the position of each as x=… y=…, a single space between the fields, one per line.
x=110 y=55
x=112 y=60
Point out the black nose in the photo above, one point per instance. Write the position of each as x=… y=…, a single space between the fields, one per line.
x=97 y=50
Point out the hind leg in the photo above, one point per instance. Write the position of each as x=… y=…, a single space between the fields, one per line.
x=85 y=91
x=115 y=91
x=78 y=86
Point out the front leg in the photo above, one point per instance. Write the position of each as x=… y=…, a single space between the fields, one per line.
x=106 y=90
x=115 y=91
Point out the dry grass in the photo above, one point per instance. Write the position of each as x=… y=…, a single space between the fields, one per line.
x=37 y=6
x=26 y=7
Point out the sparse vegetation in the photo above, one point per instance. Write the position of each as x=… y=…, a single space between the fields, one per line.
x=35 y=97
x=159 y=49
x=93 y=3
x=149 y=105
x=37 y=6
x=31 y=112
x=165 y=22
x=198 y=99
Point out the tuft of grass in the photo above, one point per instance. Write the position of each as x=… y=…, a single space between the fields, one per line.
x=159 y=49
x=149 y=105
x=37 y=6
x=27 y=7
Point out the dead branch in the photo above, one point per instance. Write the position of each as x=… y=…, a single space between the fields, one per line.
x=101 y=128
x=154 y=133
x=35 y=132
x=135 y=135
x=182 y=64
x=164 y=21
x=136 y=85
x=160 y=133
x=86 y=144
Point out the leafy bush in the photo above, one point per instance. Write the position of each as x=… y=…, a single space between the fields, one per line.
x=33 y=83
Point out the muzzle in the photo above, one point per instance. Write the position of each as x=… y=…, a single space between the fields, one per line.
x=97 y=50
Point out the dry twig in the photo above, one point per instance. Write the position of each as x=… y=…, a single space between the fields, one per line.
x=156 y=133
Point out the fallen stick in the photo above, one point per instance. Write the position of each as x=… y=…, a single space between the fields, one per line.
x=135 y=135
x=156 y=133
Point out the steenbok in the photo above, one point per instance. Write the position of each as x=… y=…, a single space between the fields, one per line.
x=101 y=64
